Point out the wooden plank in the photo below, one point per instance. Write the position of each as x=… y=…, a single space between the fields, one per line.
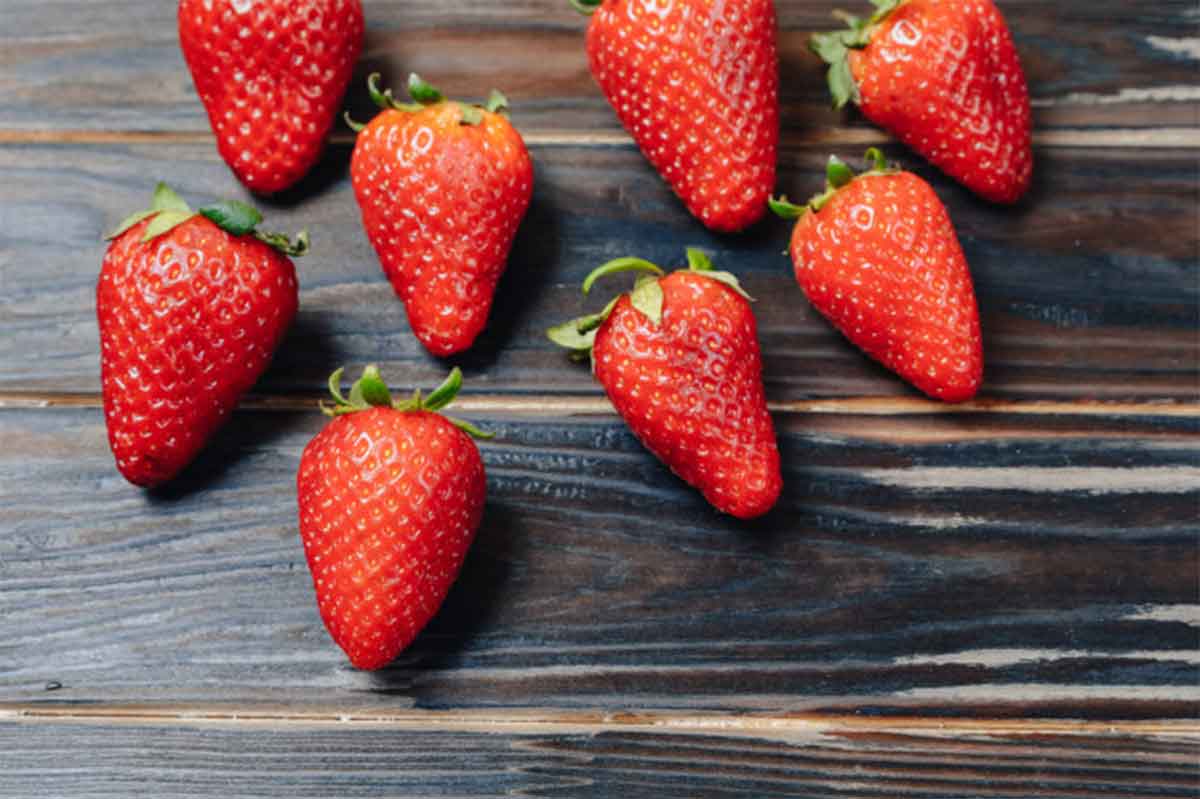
x=77 y=65
x=1088 y=293
x=114 y=758
x=936 y=565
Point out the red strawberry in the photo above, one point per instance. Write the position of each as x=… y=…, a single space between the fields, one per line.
x=877 y=256
x=443 y=187
x=191 y=309
x=679 y=359
x=271 y=74
x=696 y=83
x=391 y=495
x=944 y=77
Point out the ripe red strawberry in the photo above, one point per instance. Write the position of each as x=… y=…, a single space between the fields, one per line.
x=443 y=187
x=679 y=359
x=877 y=256
x=390 y=495
x=696 y=83
x=191 y=308
x=271 y=74
x=944 y=77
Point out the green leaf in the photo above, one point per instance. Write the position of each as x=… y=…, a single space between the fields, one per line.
x=569 y=335
x=837 y=173
x=497 y=103
x=233 y=216
x=165 y=199
x=164 y=223
x=470 y=429
x=729 y=279
x=281 y=242
x=829 y=46
x=619 y=265
x=876 y=160
x=647 y=297
x=335 y=385
x=377 y=96
x=586 y=7
x=841 y=84
x=423 y=92
x=371 y=390
x=444 y=394
x=471 y=115
x=698 y=261
x=129 y=222
x=784 y=209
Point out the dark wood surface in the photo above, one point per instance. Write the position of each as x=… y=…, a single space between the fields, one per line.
x=997 y=600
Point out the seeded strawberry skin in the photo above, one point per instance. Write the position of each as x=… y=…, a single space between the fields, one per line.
x=441 y=203
x=188 y=323
x=271 y=75
x=696 y=84
x=882 y=263
x=691 y=390
x=945 y=77
x=389 y=505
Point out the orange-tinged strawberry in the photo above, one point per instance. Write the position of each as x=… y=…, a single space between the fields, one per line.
x=944 y=76
x=877 y=255
x=191 y=308
x=442 y=187
x=680 y=361
x=271 y=75
x=696 y=83
x=390 y=495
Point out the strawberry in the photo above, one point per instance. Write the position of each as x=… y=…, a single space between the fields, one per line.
x=679 y=359
x=944 y=77
x=877 y=256
x=443 y=187
x=696 y=83
x=191 y=308
x=391 y=495
x=271 y=74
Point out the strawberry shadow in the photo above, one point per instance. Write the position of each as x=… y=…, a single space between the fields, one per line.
x=535 y=251
x=247 y=435
x=331 y=170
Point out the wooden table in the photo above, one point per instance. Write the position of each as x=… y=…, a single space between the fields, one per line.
x=996 y=600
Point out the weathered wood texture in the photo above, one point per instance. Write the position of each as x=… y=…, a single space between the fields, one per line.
x=1090 y=292
x=941 y=565
x=82 y=65
x=120 y=759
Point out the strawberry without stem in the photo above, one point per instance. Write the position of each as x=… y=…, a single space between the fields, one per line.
x=442 y=187
x=391 y=495
x=271 y=74
x=191 y=308
x=945 y=78
x=680 y=361
x=877 y=255
x=696 y=83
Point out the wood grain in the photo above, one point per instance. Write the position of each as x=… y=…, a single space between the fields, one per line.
x=933 y=565
x=190 y=759
x=1089 y=293
x=77 y=65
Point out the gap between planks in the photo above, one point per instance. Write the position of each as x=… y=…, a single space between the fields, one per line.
x=787 y=728
x=600 y=406
x=1152 y=138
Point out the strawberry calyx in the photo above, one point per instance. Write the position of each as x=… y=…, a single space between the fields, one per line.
x=425 y=95
x=579 y=335
x=833 y=48
x=838 y=175
x=168 y=211
x=586 y=7
x=370 y=391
